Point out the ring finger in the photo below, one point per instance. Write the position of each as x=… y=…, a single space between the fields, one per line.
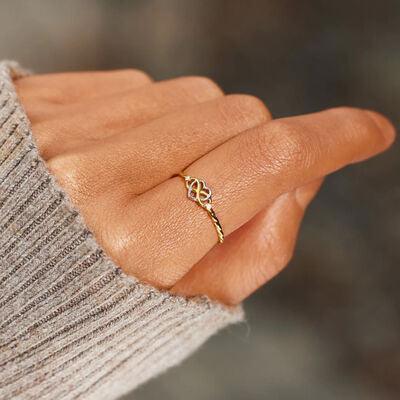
x=253 y=254
x=246 y=173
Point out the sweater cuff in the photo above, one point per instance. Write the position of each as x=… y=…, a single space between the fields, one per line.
x=72 y=324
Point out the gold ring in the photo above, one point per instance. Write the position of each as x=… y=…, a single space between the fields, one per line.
x=200 y=193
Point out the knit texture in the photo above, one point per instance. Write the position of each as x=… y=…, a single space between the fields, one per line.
x=72 y=324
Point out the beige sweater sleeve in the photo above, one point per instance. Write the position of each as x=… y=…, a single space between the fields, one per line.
x=72 y=324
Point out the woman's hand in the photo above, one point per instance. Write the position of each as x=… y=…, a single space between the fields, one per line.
x=116 y=140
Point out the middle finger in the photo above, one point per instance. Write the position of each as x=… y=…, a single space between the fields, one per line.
x=141 y=158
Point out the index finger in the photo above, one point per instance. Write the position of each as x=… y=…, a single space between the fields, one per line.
x=245 y=174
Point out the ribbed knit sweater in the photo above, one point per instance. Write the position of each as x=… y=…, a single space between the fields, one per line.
x=72 y=324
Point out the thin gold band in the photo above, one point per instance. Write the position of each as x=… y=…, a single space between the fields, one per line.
x=200 y=193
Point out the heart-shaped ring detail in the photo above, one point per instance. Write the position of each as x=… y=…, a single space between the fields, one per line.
x=198 y=191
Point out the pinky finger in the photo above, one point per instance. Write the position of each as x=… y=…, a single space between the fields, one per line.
x=252 y=255
x=66 y=88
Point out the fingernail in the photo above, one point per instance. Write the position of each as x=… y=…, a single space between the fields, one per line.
x=384 y=125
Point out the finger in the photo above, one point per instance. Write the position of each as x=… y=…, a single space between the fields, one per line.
x=105 y=117
x=246 y=174
x=76 y=87
x=152 y=153
x=253 y=254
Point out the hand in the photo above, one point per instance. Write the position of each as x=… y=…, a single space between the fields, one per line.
x=116 y=140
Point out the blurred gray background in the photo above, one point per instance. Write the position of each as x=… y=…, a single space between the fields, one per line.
x=329 y=326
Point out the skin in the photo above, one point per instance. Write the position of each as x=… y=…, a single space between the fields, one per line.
x=116 y=140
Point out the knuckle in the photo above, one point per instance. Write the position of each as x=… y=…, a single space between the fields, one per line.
x=344 y=111
x=250 y=107
x=134 y=74
x=58 y=167
x=203 y=84
x=67 y=173
x=280 y=147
